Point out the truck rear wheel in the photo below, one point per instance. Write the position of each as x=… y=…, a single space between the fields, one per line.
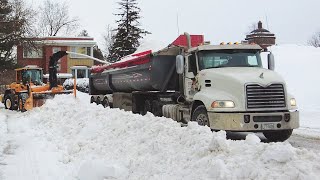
x=105 y=103
x=92 y=100
x=98 y=101
x=147 y=107
x=278 y=136
x=200 y=115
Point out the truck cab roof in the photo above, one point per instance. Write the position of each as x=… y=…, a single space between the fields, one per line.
x=225 y=47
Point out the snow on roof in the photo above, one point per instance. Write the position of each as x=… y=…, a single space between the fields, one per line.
x=60 y=75
x=70 y=42
x=79 y=67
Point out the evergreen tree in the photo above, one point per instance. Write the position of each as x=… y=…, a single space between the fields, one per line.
x=128 y=33
x=97 y=54
x=5 y=23
x=15 y=26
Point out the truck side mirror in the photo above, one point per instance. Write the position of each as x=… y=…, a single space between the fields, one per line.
x=179 y=64
x=271 y=63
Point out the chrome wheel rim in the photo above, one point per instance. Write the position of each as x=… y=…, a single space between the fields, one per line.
x=202 y=120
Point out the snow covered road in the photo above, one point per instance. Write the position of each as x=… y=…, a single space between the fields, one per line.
x=69 y=139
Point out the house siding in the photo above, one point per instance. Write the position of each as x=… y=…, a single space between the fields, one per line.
x=79 y=62
x=27 y=61
x=65 y=63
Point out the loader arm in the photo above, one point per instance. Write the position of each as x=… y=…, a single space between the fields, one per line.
x=53 y=67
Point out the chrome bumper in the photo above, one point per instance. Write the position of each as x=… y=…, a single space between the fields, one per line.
x=258 y=121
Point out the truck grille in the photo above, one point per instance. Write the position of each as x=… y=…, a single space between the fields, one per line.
x=271 y=96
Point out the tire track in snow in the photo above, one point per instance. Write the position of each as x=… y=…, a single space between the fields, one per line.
x=26 y=153
x=3 y=141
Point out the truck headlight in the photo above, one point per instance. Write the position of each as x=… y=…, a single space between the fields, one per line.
x=222 y=104
x=293 y=102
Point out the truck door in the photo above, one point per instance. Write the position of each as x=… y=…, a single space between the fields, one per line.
x=190 y=76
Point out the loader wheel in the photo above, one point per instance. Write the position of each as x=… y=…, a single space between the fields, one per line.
x=200 y=115
x=22 y=101
x=278 y=136
x=9 y=102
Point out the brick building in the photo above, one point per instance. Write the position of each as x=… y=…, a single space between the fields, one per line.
x=46 y=46
x=261 y=36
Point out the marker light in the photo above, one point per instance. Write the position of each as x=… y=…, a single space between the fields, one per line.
x=293 y=102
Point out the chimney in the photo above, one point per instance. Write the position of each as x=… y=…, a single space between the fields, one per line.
x=259 y=25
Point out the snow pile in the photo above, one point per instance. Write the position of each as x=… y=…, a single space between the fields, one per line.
x=82 y=84
x=92 y=142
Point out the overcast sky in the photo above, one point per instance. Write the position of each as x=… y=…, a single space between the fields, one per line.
x=292 y=21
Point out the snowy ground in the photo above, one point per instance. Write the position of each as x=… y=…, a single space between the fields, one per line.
x=71 y=139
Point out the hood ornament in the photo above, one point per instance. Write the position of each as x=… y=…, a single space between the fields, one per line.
x=261 y=76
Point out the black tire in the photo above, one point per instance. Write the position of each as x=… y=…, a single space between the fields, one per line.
x=147 y=107
x=156 y=108
x=278 y=136
x=92 y=100
x=105 y=102
x=67 y=87
x=200 y=115
x=98 y=101
x=22 y=98
x=9 y=102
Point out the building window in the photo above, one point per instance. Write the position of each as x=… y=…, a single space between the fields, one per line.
x=81 y=50
x=32 y=52
x=80 y=71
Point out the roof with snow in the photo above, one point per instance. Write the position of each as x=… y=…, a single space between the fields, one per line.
x=66 y=41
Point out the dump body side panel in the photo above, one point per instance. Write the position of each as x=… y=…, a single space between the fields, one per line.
x=151 y=76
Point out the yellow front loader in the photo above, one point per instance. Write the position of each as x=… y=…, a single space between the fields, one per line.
x=29 y=91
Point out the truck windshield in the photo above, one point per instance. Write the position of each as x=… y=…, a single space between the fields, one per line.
x=33 y=74
x=231 y=58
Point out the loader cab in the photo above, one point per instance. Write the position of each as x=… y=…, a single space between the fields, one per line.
x=29 y=75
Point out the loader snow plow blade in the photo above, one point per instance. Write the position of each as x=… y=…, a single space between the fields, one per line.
x=37 y=99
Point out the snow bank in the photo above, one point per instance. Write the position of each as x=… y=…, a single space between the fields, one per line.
x=82 y=84
x=91 y=142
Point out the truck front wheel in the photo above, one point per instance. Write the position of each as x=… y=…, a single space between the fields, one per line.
x=200 y=115
x=278 y=136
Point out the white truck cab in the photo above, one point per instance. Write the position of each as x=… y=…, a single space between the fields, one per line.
x=230 y=90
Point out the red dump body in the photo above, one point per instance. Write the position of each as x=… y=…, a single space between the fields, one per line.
x=145 y=57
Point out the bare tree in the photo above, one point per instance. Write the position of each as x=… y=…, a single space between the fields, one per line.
x=108 y=39
x=54 y=19
x=252 y=27
x=315 y=40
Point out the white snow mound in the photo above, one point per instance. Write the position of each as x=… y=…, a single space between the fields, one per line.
x=103 y=143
